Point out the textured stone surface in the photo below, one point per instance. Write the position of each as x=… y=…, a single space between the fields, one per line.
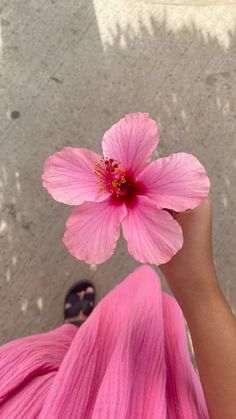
x=68 y=71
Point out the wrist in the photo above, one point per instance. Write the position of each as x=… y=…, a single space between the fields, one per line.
x=197 y=292
x=189 y=283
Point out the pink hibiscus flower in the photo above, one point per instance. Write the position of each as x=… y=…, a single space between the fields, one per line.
x=125 y=187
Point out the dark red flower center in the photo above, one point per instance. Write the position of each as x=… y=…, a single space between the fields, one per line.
x=114 y=179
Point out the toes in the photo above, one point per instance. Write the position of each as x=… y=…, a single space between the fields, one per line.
x=89 y=290
x=81 y=294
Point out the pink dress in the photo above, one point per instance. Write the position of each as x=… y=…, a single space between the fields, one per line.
x=129 y=360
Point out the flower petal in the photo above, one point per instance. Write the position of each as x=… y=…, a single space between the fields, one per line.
x=153 y=236
x=132 y=141
x=178 y=182
x=93 y=229
x=69 y=176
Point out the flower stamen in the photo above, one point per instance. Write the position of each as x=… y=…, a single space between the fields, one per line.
x=111 y=177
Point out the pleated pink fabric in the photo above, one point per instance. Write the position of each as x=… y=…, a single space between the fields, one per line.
x=129 y=360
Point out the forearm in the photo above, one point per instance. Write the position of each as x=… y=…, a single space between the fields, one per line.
x=213 y=331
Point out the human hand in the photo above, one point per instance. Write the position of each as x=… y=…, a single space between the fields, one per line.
x=192 y=267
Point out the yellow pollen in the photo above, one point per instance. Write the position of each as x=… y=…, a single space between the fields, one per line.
x=111 y=177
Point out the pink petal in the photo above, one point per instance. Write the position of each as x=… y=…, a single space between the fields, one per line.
x=69 y=176
x=93 y=229
x=178 y=182
x=153 y=236
x=132 y=141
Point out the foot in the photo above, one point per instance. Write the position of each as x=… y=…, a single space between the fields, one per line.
x=79 y=303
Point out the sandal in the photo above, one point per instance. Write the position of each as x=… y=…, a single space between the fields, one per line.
x=75 y=303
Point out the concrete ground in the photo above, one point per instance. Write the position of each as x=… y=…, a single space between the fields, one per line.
x=69 y=69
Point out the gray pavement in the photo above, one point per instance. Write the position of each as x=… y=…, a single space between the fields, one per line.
x=69 y=69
